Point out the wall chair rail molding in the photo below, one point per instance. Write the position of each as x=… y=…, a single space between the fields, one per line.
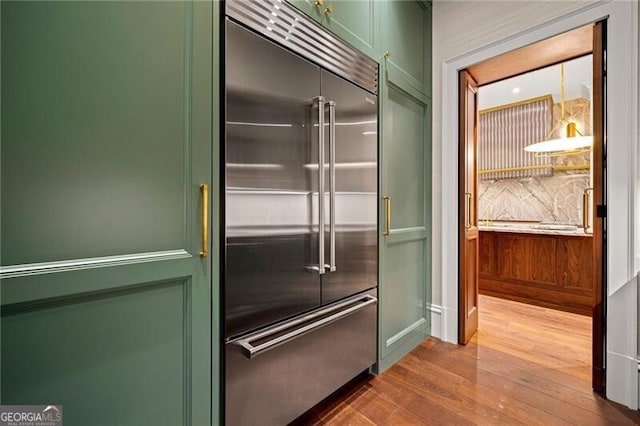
x=94 y=262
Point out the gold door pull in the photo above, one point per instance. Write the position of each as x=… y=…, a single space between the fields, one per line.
x=328 y=10
x=204 y=193
x=319 y=3
x=585 y=210
x=468 y=199
x=387 y=214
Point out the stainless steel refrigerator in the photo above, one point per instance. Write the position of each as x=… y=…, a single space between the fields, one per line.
x=301 y=178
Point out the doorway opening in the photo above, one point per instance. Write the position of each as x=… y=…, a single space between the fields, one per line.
x=531 y=224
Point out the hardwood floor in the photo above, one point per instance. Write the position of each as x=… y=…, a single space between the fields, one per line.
x=526 y=365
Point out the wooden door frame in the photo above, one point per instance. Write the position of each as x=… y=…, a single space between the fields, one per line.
x=468 y=233
x=598 y=108
x=499 y=68
x=623 y=241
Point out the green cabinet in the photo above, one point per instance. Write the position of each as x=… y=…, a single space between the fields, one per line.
x=354 y=21
x=405 y=173
x=310 y=8
x=406 y=36
x=107 y=129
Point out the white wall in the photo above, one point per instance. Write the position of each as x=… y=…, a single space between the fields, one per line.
x=460 y=27
x=467 y=31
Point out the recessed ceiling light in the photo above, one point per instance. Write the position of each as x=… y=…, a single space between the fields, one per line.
x=515 y=90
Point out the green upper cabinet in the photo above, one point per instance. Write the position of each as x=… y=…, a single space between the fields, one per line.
x=354 y=21
x=312 y=8
x=406 y=43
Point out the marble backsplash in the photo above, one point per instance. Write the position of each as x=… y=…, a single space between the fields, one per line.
x=553 y=199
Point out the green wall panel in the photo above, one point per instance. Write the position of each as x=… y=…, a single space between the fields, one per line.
x=403 y=293
x=130 y=347
x=404 y=151
x=94 y=128
x=108 y=117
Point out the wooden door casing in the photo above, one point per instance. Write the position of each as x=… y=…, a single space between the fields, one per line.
x=467 y=202
x=498 y=68
x=599 y=201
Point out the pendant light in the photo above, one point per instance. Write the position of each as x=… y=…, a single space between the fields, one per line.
x=572 y=143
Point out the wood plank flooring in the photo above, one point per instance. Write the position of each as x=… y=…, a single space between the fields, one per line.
x=526 y=365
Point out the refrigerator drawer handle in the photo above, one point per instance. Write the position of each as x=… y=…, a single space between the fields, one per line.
x=251 y=351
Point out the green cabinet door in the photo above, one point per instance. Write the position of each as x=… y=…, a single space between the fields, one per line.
x=405 y=253
x=354 y=21
x=406 y=38
x=312 y=8
x=106 y=137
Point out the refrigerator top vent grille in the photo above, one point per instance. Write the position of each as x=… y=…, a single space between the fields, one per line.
x=280 y=22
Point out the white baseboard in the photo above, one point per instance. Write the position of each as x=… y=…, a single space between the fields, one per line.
x=436 y=320
x=622 y=349
x=622 y=379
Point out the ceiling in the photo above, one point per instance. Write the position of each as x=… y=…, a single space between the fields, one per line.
x=545 y=81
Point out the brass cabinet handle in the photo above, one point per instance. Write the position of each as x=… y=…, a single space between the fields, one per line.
x=467 y=222
x=319 y=3
x=328 y=10
x=387 y=214
x=585 y=210
x=204 y=192
x=387 y=54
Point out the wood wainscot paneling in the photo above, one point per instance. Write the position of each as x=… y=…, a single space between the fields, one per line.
x=553 y=271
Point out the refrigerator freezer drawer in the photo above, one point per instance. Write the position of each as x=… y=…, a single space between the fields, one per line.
x=276 y=375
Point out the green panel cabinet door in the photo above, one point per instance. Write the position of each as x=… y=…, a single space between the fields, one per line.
x=106 y=139
x=405 y=210
x=354 y=21
x=406 y=34
x=312 y=8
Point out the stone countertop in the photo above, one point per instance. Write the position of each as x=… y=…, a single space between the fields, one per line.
x=526 y=228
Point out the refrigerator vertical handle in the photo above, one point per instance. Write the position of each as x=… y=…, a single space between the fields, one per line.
x=321 y=105
x=332 y=185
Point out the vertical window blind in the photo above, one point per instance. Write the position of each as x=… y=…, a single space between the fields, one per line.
x=504 y=131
